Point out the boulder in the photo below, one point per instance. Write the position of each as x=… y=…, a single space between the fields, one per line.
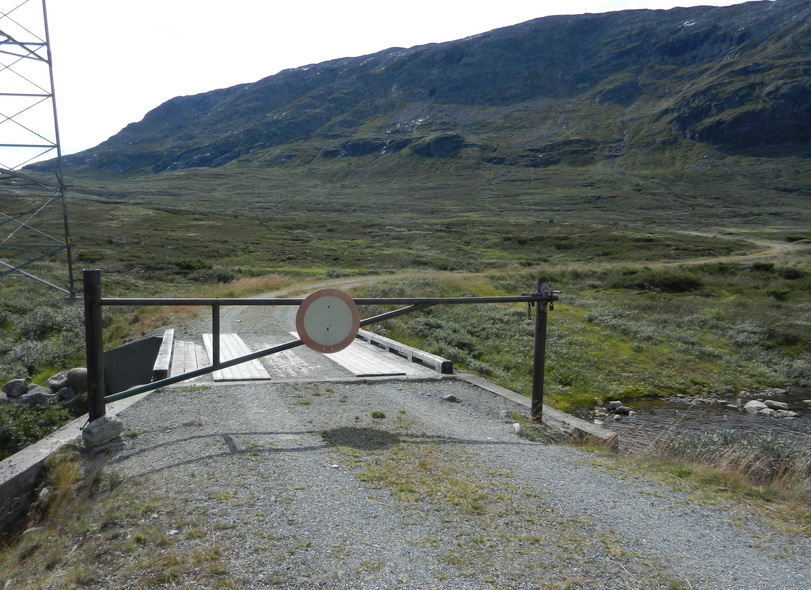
x=37 y=397
x=613 y=405
x=77 y=379
x=3 y=398
x=786 y=414
x=33 y=388
x=102 y=431
x=754 y=406
x=65 y=394
x=58 y=381
x=770 y=403
x=15 y=388
x=623 y=411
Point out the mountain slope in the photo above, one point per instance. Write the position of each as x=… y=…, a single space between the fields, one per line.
x=578 y=90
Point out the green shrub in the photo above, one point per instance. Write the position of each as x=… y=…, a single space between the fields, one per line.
x=664 y=281
x=791 y=273
x=193 y=264
x=21 y=426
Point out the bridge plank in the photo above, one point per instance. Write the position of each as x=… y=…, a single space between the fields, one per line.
x=231 y=347
x=366 y=360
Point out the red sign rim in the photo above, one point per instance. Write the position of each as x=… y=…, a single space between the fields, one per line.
x=308 y=340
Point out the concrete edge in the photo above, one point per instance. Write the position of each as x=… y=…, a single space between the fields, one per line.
x=20 y=473
x=580 y=429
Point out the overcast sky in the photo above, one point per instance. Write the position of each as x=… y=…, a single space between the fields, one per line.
x=114 y=60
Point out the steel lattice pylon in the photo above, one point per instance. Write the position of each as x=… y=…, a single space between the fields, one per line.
x=33 y=209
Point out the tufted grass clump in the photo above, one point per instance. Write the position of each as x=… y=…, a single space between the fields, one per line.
x=764 y=467
x=765 y=458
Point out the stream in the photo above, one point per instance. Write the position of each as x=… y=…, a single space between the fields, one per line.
x=655 y=418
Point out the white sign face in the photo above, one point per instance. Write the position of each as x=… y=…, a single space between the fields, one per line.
x=327 y=320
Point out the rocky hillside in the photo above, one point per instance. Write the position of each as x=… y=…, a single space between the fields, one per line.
x=580 y=90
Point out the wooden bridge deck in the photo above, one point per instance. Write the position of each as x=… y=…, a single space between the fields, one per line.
x=231 y=347
x=360 y=359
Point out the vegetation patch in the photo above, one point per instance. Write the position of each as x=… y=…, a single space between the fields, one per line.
x=90 y=528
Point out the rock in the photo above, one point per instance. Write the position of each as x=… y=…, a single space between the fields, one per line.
x=613 y=405
x=102 y=431
x=65 y=394
x=38 y=389
x=15 y=388
x=517 y=428
x=58 y=381
x=77 y=379
x=623 y=411
x=37 y=397
x=45 y=494
x=786 y=414
x=3 y=398
x=441 y=146
x=617 y=417
x=770 y=403
x=776 y=391
x=449 y=398
x=754 y=406
x=807 y=401
x=767 y=412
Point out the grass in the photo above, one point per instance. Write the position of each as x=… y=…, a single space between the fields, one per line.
x=763 y=475
x=619 y=334
x=89 y=527
x=766 y=468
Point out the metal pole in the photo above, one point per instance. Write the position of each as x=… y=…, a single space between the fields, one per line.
x=215 y=334
x=60 y=179
x=94 y=344
x=539 y=364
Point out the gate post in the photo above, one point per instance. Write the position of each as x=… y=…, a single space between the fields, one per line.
x=539 y=363
x=94 y=344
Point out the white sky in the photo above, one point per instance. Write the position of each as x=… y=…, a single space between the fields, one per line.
x=114 y=60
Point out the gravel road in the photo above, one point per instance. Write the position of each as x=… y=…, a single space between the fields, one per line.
x=370 y=484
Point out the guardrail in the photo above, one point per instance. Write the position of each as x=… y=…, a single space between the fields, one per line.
x=439 y=364
x=543 y=300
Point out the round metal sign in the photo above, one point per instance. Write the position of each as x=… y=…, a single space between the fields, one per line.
x=327 y=320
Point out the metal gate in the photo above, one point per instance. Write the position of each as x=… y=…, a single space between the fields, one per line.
x=543 y=299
